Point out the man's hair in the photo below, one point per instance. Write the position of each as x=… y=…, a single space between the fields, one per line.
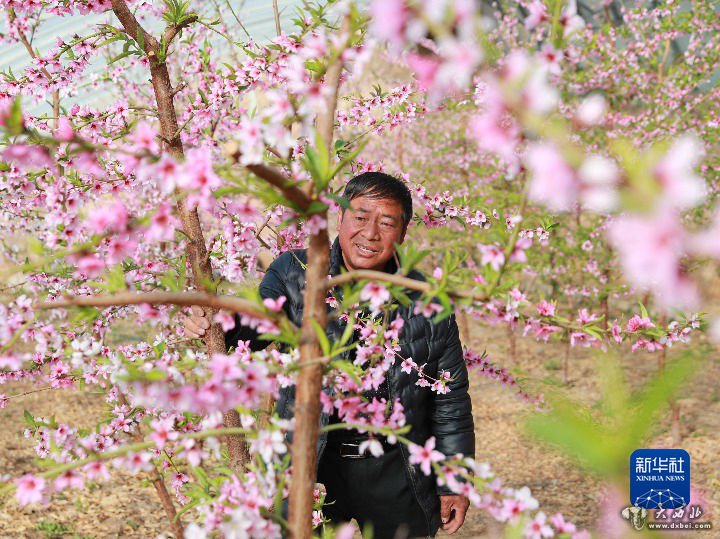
x=380 y=185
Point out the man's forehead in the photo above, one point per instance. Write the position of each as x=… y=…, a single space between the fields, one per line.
x=386 y=206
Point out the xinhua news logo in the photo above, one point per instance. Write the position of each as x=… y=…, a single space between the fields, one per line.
x=660 y=482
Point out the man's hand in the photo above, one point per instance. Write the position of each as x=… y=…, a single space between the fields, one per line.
x=196 y=324
x=452 y=511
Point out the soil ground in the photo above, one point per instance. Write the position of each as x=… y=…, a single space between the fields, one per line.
x=128 y=507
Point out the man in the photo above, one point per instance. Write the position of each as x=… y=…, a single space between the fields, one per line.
x=386 y=492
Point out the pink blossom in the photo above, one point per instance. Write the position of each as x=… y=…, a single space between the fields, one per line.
x=494 y=129
x=10 y=362
x=225 y=367
x=30 y=489
x=599 y=176
x=425 y=455
x=90 y=265
x=681 y=187
x=317 y=517
x=145 y=137
x=537 y=528
x=27 y=156
x=250 y=139
x=118 y=248
x=267 y=444
x=68 y=479
x=537 y=13
x=584 y=317
x=64 y=129
x=707 y=241
x=163 y=431
x=96 y=471
x=389 y=18
x=346 y=531
x=518 y=254
x=552 y=181
x=408 y=365
x=113 y=217
x=425 y=68
x=561 y=525
x=373 y=446
x=546 y=308
x=86 y=163
x=636 y=323
x=616 y=332
x=197 y=172
x=5 y=106
x=591 y=110
x=165 y=172
x=163 y=223
x=315 y=224
x=376 y=294
x=427 y=310
x=275 y=305
x=581 y=338
x=511 y=509
x=225 y=319
x=651 y=249
x=493 y=255
x=136 y=462
x=569 y=19
x=649 y=345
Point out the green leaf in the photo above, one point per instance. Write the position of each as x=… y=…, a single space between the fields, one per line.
x=321 y=336
x=348 y=368
x=29 y=419
x=14 y=124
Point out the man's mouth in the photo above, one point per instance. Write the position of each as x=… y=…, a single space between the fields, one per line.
x=365 y=250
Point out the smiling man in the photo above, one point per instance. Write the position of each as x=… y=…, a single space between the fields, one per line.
x=387 y=492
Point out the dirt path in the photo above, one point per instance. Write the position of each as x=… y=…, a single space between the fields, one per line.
x=126 y=507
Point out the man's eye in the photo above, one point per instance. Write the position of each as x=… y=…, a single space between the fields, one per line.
x=387 y=225
x=361 y=219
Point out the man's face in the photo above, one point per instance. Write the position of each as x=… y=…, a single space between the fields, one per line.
x=367 y=231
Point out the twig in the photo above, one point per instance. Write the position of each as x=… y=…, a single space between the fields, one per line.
x=277 y=179
x=197 y=253
x=172 y=31
x=407 y=282
x=163 y=298
x=276 y=12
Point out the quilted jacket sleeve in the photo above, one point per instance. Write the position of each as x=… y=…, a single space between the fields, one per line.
x=452 y=419
x=272 y=286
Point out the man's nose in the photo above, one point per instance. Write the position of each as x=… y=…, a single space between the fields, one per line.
x=371 y=230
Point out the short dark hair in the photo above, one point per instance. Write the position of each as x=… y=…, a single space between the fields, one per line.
x=381 y=185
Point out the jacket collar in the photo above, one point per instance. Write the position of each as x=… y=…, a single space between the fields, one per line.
x=337 y=264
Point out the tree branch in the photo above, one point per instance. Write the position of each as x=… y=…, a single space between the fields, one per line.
x=172 y=31
x=197 y=253
x=276 y=12
x=277 y=179
x=201 y=299
x=133 y=28
x=407 y=282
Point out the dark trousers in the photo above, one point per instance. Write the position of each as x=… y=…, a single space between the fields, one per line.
x=373 y=491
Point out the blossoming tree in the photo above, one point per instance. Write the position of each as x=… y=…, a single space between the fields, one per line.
x=167 y=198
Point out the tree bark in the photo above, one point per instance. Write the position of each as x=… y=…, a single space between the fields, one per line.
x=158 y=482
x=309 y=386
x=309 y=383
x=197 y=254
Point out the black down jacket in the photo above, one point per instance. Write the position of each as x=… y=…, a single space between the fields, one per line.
x=446 y=417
